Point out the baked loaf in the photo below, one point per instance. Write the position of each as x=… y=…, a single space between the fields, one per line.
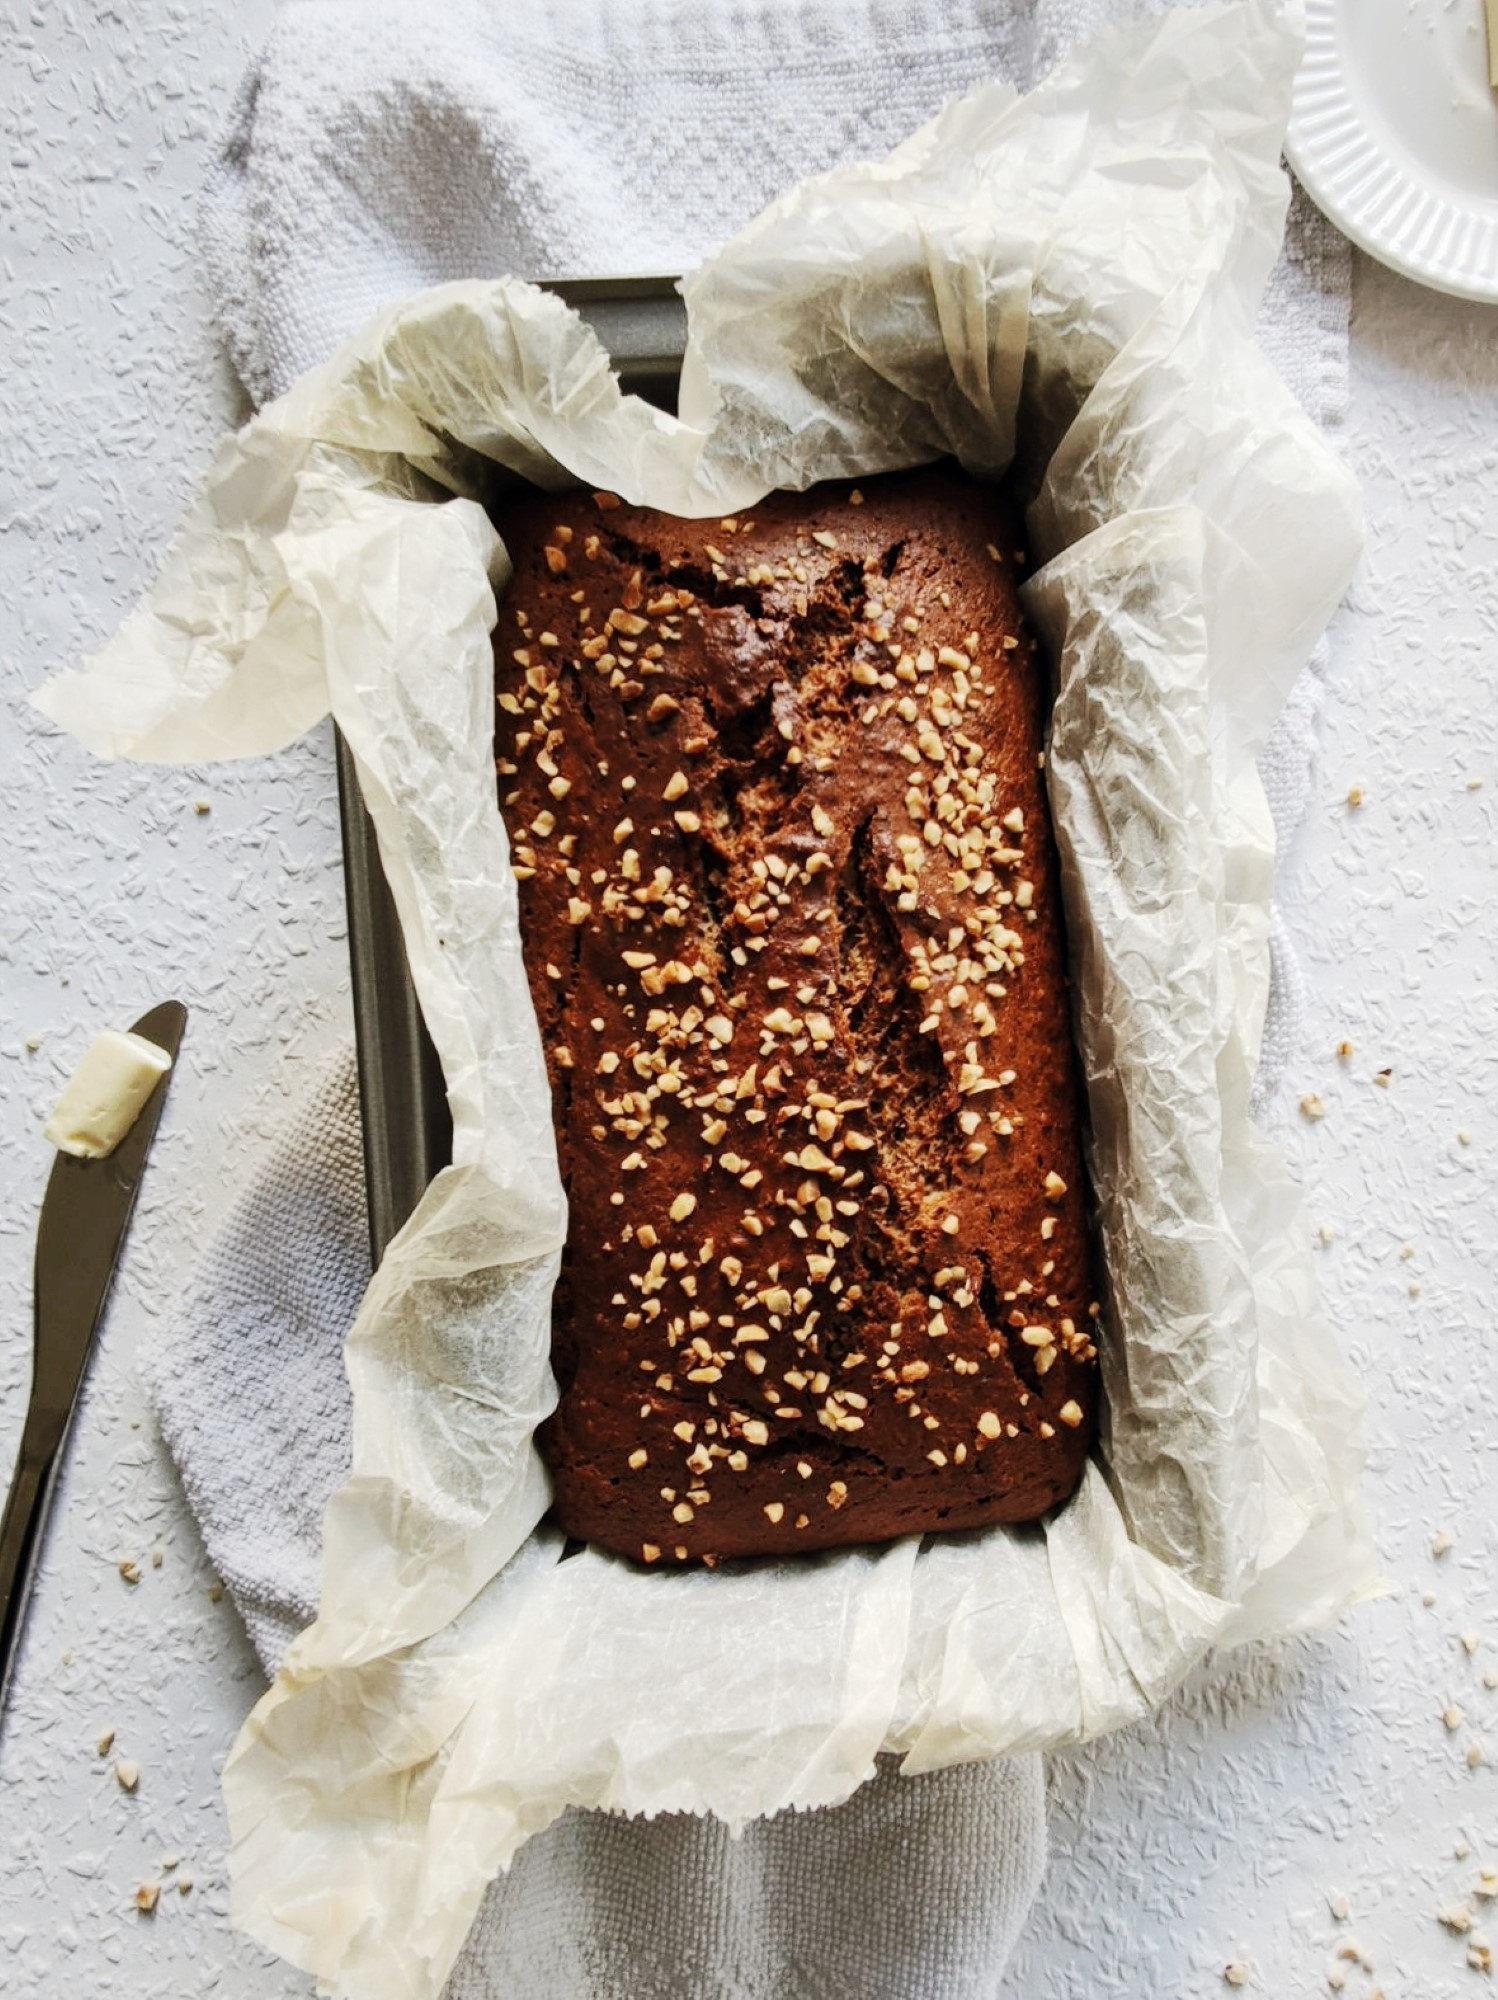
x=790 y=912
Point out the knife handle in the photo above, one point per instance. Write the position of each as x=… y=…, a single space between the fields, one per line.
x=21 y=1542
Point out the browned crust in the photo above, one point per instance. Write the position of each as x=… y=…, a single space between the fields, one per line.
x=828 y=1275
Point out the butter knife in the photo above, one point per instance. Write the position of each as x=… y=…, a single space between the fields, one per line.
x=83 y=1222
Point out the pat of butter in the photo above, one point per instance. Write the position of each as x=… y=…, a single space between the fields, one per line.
x=103 y=1097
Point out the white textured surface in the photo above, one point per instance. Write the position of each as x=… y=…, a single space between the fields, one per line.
x=1216 y=1834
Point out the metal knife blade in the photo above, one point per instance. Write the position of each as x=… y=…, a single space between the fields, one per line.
x=84 y=1217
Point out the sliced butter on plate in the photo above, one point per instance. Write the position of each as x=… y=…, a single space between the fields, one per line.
x=103 y=1097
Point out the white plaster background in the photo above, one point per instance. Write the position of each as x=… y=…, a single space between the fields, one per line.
x=1276 y=1780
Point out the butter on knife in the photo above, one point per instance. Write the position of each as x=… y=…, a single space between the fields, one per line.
x=103 y=1097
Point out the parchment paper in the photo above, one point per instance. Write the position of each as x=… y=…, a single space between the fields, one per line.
x=1070 y=277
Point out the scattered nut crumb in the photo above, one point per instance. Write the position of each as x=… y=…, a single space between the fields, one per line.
x=1355 y=796
x=201 y=806
x=1427 y=1598
x=33 y=1043
x=1339 y=1906
x=1441 y=1542
x=1475 y=1755
x=1327 y=1233
x=1312 y=1107
x=156 y=1558
x=1452 y=1716
x=1464 y=1138
x=1344 y=1050
x=1469 y=1641
x=184 y=1885
x=105 y=1743
x=1235 y=1974
x=127 y=1774
x=147 y=1896
x=215 y=1592
x=129 y=1569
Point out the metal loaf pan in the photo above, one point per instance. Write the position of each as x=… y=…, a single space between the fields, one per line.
x=407 y=1129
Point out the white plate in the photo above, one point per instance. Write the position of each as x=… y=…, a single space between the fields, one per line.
x=1394 y=133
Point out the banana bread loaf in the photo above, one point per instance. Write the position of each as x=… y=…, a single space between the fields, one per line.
x=791 y=919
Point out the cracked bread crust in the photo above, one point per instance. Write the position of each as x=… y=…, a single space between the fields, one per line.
x=793 y=929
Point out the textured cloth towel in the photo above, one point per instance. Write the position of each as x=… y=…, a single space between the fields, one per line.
x=376 y=149
x=914 y=1890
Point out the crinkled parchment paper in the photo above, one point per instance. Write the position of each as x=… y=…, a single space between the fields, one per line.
x=1070 y=277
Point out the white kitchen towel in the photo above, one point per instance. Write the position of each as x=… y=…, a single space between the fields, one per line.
x=376 y=149
x=916 y=1889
